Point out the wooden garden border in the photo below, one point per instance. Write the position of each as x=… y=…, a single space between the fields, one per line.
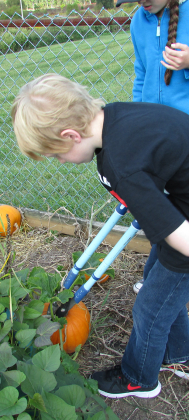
x=69 y=226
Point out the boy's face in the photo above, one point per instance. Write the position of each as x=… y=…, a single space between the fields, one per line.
x=81 y=152
x=154 y=6
x=82 y=149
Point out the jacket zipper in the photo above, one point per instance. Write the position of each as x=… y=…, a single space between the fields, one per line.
x=158 y=27
x=158 y=34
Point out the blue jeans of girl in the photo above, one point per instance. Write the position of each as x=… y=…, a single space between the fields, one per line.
x=160 y=333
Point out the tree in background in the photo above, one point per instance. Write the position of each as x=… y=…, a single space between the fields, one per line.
x=11 y=3
x=107 y=4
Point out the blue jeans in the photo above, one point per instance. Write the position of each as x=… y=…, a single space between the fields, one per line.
x=160 y=331
x=150 y=261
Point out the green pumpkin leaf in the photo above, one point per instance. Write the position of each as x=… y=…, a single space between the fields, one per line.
x=19 y=326
x=45 y=331
x=36 y=379
x=2 y=308
x=37 y=402
x=6 y=358
x=65 y=295
x=4 y=287
x=107 y=414
x=72 y=395
x=16 y=290
x=24 y=416
x=99 y=416
x=37 y=305
x=23 y=274
x=48 y=359
x=4 y=300
x=25 y=337
x=111 y=414
x=91 y=385
x=31 y=313
x=38 y=321
x=40 y=279
x=69 y=379
x=13 y=378
x=68 y=363
x=7 y=418
x=19 y=314
x=6 y=328
x=9 y=402
x=62 y=321
x=3 y=317
x=57 y=408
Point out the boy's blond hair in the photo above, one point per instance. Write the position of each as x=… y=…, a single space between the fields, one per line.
x=45 y=107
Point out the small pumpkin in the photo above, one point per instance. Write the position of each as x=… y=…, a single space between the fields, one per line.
x=77 y=329
x=103 y=278
x=14 y=216
x=45 y=309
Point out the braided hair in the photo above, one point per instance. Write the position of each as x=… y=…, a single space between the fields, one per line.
x=172 y=32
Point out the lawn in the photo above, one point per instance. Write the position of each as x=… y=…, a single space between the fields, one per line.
x=105 y=66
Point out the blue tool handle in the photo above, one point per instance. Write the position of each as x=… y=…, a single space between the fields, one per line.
x=80 y=294
x=119 y=211
x=125 y=239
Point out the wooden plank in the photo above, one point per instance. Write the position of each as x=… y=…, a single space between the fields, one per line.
x=68 y=225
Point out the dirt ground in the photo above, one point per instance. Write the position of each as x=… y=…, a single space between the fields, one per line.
x=110 y=305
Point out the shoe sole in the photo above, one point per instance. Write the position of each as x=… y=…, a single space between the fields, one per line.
x=140 y=394
x=179 y=373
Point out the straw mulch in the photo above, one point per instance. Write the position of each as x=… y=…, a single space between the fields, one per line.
x=110 y=305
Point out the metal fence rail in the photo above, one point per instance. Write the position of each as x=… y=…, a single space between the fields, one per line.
x=93 y=50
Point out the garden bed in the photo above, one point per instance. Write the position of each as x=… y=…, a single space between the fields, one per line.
x=110 y=305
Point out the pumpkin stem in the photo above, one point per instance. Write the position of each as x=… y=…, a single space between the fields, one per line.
x=10 y=301
x=8 y=245
x=61 y=341
x=51 y=310
x=73 y=284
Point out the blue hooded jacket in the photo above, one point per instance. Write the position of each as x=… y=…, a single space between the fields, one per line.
x=149 y=84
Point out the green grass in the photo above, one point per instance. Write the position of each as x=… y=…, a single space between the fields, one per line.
x=104 y=66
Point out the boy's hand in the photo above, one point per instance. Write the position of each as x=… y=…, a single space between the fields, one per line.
x=176 y=60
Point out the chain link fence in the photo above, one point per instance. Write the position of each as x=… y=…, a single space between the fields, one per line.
x=90 y=49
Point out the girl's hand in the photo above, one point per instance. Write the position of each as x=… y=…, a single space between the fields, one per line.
x=176 y=60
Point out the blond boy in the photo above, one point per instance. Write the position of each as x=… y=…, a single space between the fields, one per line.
x=54 y=117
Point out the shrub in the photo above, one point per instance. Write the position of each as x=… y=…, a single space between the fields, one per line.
x=71 y=7
x=10 y=12
x=107 y=4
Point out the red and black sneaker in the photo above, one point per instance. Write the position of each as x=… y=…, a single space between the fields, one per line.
x=113 y=384
x=179 y=369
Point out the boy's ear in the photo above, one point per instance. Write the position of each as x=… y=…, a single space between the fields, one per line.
x=71 y=134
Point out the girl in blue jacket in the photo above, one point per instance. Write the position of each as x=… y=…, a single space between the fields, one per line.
x=160 y=35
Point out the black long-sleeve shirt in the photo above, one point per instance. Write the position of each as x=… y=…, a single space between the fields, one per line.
x=145 y=150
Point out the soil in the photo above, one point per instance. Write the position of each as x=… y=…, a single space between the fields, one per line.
x=110 y=305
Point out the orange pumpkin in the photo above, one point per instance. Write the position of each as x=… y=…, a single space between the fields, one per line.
x=15 y=219
x=45 y=309
x=77 y=329
x=103 y=278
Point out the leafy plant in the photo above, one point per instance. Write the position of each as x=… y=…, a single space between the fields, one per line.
x=39 y=380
